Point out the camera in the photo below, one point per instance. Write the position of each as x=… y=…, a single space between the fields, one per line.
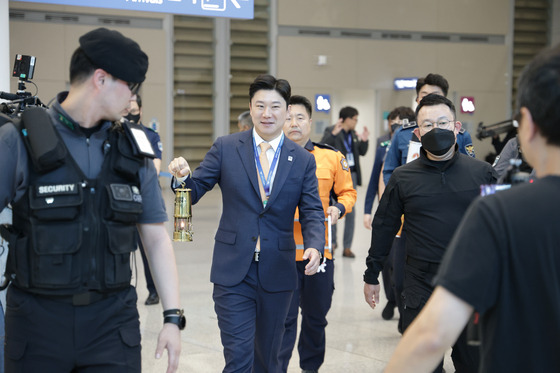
x=24 y=68
x=490 y=130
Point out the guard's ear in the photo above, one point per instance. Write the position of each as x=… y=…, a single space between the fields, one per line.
x=457 y=127
x=98 y=78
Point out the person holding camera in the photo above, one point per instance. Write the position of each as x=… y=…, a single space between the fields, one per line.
x=433 y=192
x=80 y=186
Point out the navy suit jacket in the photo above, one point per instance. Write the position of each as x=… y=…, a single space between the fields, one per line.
x=231 y=164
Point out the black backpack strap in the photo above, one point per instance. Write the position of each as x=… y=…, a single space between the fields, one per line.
x=45 y=147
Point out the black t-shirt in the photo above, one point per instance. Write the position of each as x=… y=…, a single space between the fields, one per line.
x=504 y=260
x=433 y=196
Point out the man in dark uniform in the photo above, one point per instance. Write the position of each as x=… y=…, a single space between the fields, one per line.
x=135 y=115
x=76 y=207
x=433 y=192
x=343 y=136
x=504 y=261
x=314 y=293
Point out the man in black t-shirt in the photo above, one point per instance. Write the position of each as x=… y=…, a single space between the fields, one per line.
x=504 y=260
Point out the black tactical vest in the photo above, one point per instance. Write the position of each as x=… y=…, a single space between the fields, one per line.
x=73 y=234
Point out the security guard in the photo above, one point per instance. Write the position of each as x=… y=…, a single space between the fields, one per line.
x=433 y=192
x=399 y=149
x=79 y=184
x=314 y=293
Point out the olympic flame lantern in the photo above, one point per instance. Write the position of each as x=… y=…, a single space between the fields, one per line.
x=183 y=229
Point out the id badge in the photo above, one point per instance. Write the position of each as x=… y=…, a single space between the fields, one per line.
x=413 y=150
x=350 y=159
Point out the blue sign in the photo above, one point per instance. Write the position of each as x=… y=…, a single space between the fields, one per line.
x=208 y=8
x=404 y=83
x=323 y=103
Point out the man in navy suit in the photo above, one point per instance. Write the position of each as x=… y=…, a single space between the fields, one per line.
x=253 y=266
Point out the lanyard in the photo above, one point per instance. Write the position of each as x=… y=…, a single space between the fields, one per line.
x=266 y=181
x=348 y=143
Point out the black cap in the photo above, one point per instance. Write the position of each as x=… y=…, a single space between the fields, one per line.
x=116 y=54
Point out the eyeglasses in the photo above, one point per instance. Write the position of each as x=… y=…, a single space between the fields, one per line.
x=134 y=87
x=428 y=126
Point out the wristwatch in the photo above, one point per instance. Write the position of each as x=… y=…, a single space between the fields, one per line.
x=175 y=316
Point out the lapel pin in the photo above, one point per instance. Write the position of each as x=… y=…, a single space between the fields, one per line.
x=290 y=158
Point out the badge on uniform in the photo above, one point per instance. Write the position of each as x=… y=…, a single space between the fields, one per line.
x=344 y=164
x=470 y=149
x=139 y=141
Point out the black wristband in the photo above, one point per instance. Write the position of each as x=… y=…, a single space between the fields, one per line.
x=173 y=311
x=175 y=316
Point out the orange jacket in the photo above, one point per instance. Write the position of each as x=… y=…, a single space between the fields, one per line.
x=333 y=174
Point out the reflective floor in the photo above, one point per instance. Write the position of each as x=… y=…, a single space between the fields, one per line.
x=358 y=339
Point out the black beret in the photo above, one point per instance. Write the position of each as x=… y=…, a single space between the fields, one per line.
x=116 y=54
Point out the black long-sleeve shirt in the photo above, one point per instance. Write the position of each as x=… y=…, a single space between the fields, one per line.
x=433 y=196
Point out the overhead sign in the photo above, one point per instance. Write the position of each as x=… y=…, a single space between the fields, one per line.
x=467 y=105
x=208 y=8
x=323 y=103
x=400 y=84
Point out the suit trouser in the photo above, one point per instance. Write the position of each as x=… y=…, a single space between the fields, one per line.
x=349 y=222
x=46 y=335
x=314 y=296
x=417 y=290
x=251 y=322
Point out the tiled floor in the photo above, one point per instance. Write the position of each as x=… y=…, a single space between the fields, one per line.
x=358 y=339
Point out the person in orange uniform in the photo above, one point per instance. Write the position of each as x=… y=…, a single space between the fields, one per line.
x=314 y=293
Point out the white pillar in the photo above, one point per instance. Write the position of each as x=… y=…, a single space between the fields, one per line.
x=222 y=78
x=5 y=59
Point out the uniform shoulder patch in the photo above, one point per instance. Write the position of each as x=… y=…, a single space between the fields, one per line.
x=324 y=146
x=469 y=148
x=409 y=125
x=344 y=164
x=462 y=130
